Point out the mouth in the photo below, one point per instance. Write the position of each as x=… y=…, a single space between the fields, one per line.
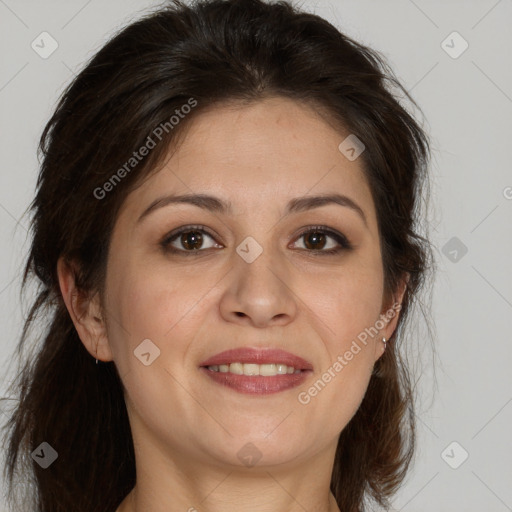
x=257 y=371
x=251 y=369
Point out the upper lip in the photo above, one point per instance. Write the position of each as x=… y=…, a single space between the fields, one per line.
x=258 y=356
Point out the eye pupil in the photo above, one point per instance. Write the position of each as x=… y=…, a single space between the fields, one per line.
x=317 y=238
x=192 y=239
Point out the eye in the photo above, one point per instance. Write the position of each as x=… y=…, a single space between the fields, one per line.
x=191 y=239
x=317 y=235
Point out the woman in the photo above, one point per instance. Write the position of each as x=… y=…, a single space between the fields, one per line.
x=224 y=237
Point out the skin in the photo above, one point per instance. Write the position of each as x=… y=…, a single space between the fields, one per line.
x=187 y=429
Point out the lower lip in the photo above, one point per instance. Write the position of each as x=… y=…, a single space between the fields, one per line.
x=256 y=384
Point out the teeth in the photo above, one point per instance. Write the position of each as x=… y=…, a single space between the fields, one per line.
x=266 y=370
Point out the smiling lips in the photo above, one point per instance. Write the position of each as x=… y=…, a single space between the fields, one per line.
x=257 y=371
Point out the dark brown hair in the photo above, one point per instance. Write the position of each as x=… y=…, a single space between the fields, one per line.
x=209 y=52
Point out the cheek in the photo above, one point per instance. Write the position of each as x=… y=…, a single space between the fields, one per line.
x=344 y=303
x=341 y=383
x=345 y=309
x=167 y=312
x=156 y=303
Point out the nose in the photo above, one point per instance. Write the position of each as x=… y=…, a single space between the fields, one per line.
x=259 y=293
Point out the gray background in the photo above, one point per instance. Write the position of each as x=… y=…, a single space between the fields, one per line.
x=467 y=103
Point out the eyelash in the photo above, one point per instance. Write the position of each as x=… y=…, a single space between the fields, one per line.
x=341 y=239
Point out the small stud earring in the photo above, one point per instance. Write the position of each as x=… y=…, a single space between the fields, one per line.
x=384 y=341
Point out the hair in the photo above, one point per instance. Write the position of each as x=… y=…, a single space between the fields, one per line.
x=203 y=55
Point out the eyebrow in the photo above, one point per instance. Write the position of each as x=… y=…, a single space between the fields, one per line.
x=215 y=204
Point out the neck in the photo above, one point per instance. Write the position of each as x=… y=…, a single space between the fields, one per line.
x=166 y=487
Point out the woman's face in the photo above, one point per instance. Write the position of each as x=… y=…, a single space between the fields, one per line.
x=252 y=280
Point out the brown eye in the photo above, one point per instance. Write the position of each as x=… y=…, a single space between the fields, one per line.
x=189 y=239
x=316 y=239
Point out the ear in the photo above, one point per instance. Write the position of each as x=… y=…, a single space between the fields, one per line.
x=390 y=313
x=85 y=312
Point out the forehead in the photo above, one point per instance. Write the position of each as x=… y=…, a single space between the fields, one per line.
x=255 y=155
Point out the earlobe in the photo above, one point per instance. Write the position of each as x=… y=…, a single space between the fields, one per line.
x=391 y=312
x=85 y=312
